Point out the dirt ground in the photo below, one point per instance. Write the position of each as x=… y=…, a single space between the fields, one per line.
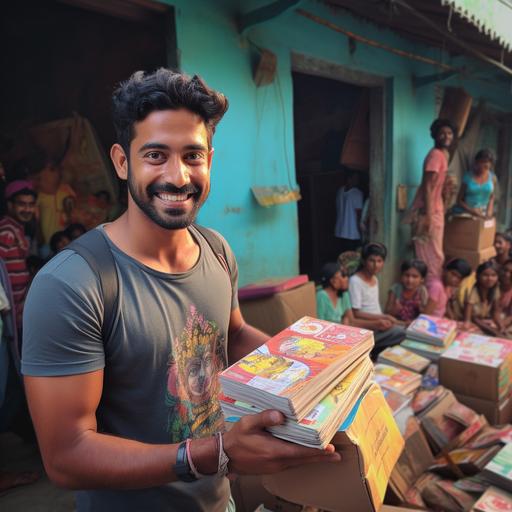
x=41 y=496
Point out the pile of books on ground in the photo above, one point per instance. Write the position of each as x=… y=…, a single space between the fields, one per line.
x=314 y=372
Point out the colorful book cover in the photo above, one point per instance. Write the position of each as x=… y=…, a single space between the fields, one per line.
x=395 y=400
x=295 y=356
x=479 y=349
x=398 y=379
x=441 y=329
x=491 y=436
x=403 y=357
x=424 y=398
x=501 y=464
x=494 y=500
x=326 y=408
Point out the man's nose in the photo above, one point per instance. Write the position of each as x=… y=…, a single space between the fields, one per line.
x=177 y=172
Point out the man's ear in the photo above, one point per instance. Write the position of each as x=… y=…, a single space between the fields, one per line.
x=120 y=161
x=210 y=158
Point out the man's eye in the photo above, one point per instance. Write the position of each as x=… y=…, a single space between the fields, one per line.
x=154 y=155
x=194 y=156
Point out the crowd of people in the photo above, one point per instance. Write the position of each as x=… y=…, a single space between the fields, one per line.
x=481 y=301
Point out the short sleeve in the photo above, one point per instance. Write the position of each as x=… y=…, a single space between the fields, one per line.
x=356 y=292
x=435 y=162
x=322 y=306
x=62 y=320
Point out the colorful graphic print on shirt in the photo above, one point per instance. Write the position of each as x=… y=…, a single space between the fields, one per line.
x=197 y=355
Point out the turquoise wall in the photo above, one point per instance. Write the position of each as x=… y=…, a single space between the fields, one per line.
x=254 y=142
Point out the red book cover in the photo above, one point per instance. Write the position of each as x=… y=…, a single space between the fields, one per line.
x=270 y=286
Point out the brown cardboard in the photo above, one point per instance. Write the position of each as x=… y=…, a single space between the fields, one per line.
x=248 y=493
x=497 y=413
x=370 y=448
x=275 y=313
x=470 y=379
x=470 y=234
x=474 y=258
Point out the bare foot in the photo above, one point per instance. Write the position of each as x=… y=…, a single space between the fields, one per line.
x=11 y=479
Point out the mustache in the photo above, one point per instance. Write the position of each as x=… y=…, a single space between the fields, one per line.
x=169 y=188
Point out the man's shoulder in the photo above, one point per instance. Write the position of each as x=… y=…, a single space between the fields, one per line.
x=67 y=268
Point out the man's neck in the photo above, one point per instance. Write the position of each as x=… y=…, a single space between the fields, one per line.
x=165 y=250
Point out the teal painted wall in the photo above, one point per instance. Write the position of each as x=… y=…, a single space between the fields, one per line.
x=254 y=143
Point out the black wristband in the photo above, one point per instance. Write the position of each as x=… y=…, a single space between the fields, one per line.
x=182 y=467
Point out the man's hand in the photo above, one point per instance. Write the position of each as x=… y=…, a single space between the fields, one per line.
x=252 y=450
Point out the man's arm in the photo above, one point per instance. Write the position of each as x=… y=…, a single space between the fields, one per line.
x=76 y=456
x=242 y=337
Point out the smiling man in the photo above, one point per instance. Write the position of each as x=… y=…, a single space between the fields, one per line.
x=14 y=245
x=134 y=419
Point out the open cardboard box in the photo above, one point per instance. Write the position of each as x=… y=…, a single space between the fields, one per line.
x=469 y=233
x=497 y=413
x=370 y=443
x=274 y=313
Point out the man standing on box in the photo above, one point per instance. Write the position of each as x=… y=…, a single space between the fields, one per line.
x=427 y=210
x=131 y=415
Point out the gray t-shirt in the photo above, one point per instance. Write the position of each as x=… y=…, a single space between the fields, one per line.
x=169 y=341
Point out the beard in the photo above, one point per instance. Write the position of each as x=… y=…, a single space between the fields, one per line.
x=167 y=218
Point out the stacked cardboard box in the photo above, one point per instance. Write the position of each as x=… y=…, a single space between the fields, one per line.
x=469 y=238
x=272 y=309
x=478 y=370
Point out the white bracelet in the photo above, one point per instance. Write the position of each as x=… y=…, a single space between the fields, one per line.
x=222 y=467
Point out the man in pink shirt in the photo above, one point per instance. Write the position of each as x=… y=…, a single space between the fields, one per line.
x=428 y=205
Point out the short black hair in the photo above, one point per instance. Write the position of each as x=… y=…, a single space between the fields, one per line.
x=163 y=89
x=485 y=154
x=459 y=265
x=419 y=265
x=74 y=227
x=104 y=193
x=441 y=123
x=373 y=249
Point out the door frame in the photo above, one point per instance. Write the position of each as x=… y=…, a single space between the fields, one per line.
x=379 y=92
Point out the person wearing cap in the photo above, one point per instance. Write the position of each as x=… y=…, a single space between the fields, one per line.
x=14 y=245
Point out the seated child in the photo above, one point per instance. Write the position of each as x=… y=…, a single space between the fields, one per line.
x=442 y=292
x=483 y=303
x=503 y=246
x=332 y=300
x=408 y=298
x=364 y=296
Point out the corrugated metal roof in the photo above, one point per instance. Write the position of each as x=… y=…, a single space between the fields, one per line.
x=491 y=17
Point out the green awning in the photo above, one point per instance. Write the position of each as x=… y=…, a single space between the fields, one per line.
x=491 y=17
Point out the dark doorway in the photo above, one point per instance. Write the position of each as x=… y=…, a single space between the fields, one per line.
x=64 y=57
x=326 y=113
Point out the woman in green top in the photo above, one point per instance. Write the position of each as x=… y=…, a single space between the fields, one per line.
x=333 y=300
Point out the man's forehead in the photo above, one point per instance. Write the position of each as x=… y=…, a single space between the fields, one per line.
x=171 y=122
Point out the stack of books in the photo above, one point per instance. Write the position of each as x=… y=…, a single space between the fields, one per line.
x=403 y=358
x=313 y=372
x=431 y=330
x=499 y=470
x=397 y=379
x=431 y=352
